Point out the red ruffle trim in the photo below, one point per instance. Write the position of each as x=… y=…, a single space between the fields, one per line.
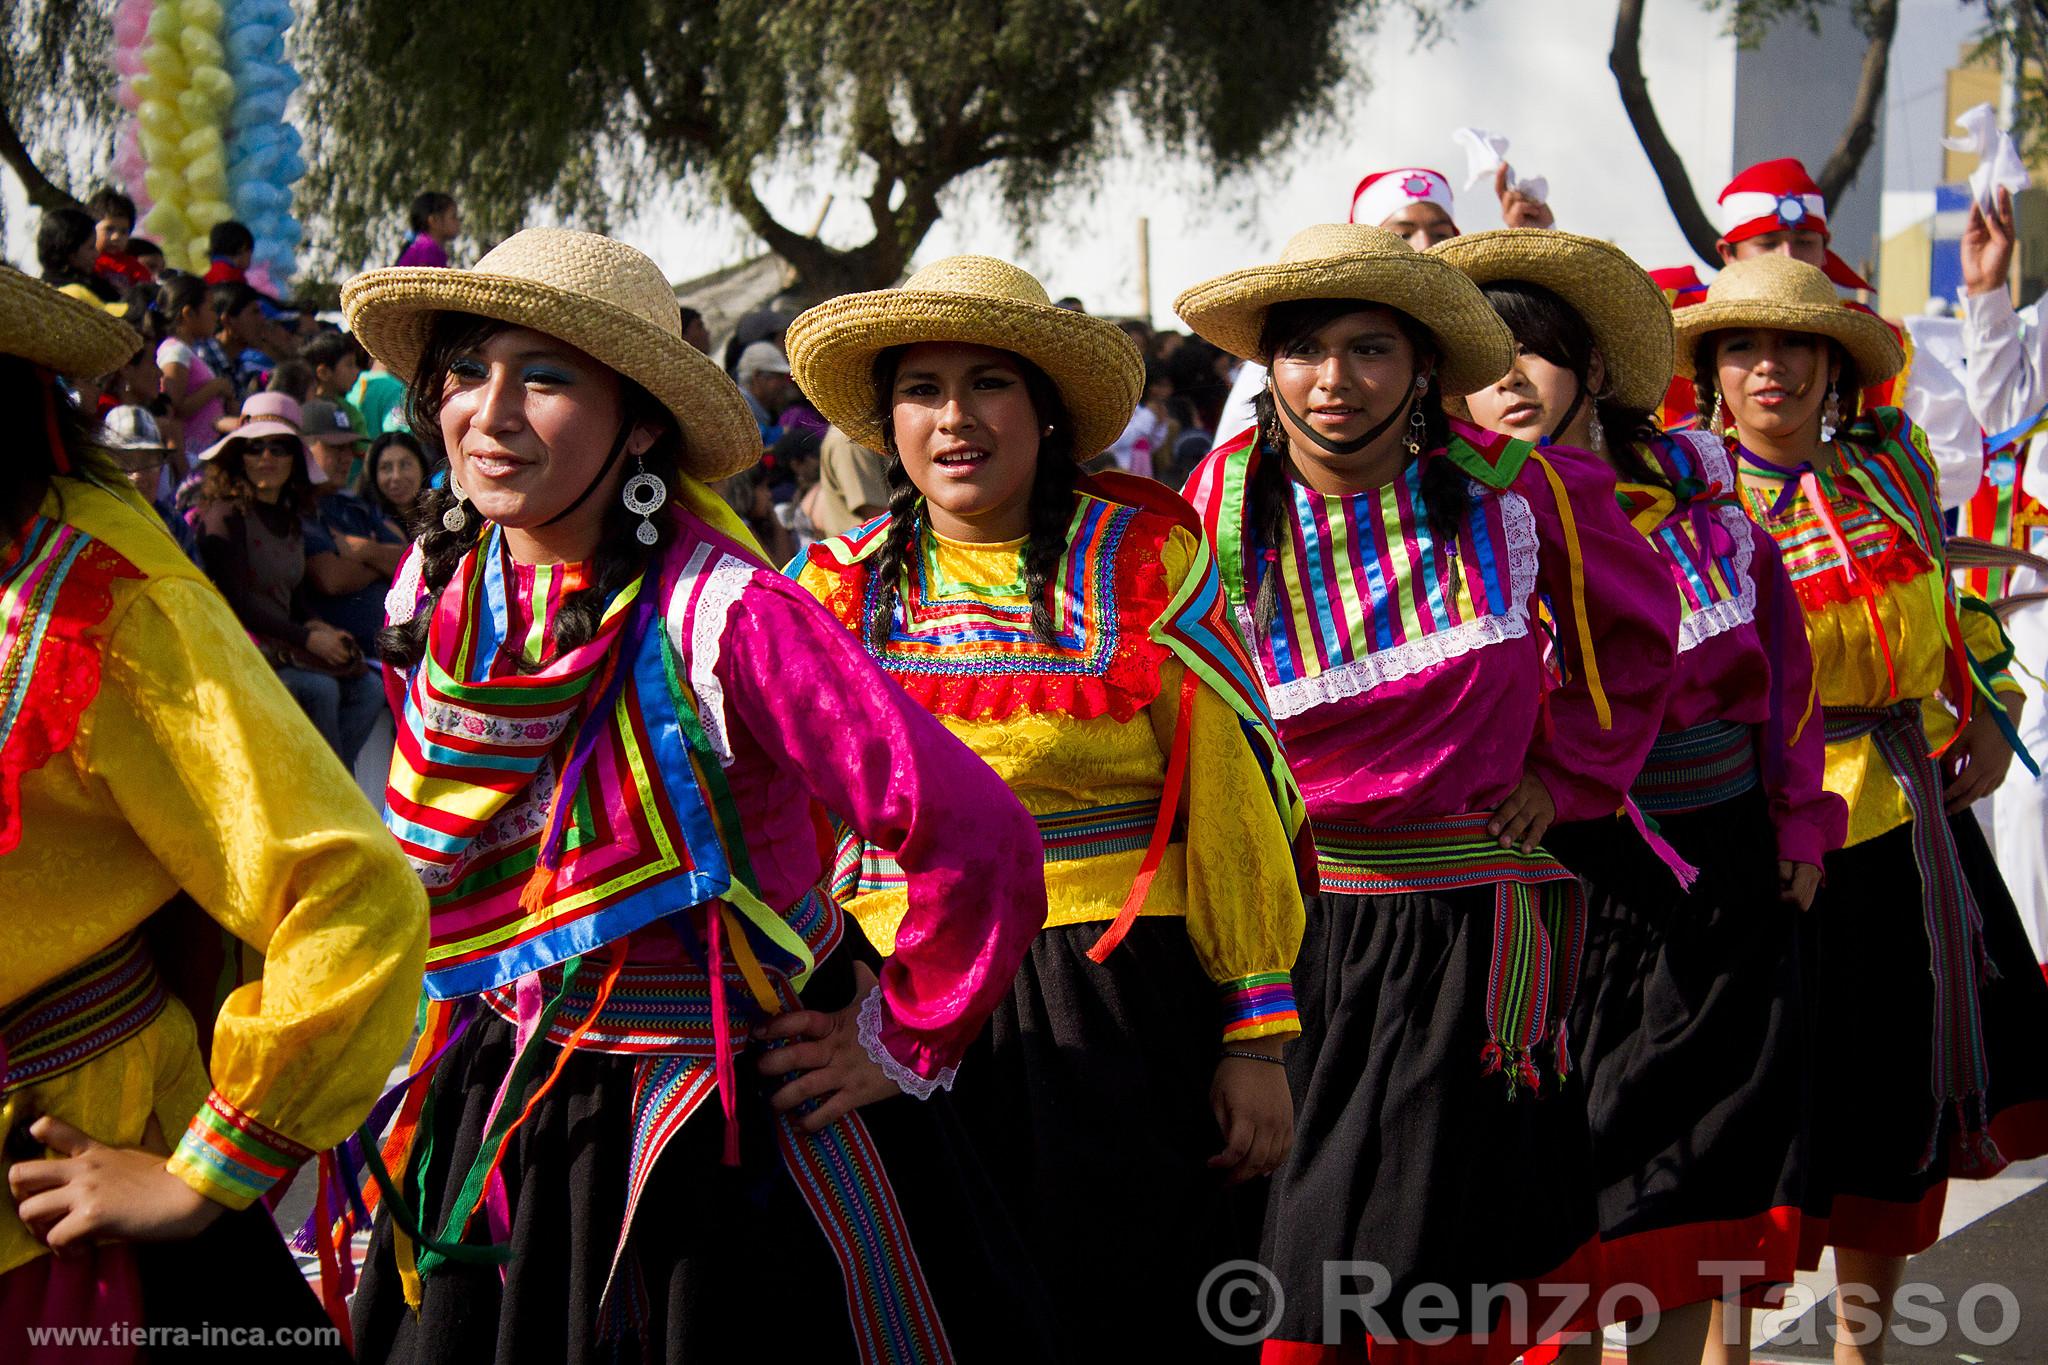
x=1901 y=562
x=66 y=678
x=1128 y=685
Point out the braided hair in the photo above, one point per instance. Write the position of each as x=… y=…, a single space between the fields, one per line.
x=1051 y=510
x=1848 y=384
x=1543 y=323
x=620 y=556
x=1269 y=497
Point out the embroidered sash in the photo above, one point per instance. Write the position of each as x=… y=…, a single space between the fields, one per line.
x=1698 y=767
x=64 y=1023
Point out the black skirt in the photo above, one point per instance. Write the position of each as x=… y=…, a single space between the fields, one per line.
x=1088 y=1094
x=1690 y=1036
x=1408 y=1158
x=725 y=1263
x=1873 y=1004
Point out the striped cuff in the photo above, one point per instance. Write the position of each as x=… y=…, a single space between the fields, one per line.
x=232 y=1158
x=1259 y=1006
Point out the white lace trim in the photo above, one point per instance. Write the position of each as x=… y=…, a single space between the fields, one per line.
x=723 y=581
x=870 y=1035
x=402 y=601
x=1739 y=610
x=1427 y=651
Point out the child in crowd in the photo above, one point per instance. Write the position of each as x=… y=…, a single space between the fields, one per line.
x=113 y=215
x=199 y=398
x=232 y=248
x=65 y=250
x=336 y=364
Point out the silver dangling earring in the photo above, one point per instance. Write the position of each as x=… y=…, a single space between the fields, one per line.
x=1714 y=422
x=644 y=495
x=1830 y=415
x=457 y=516
x=1417 y=423
x=1596 y=437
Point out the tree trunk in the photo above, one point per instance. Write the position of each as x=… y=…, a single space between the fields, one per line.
x=1625 y=61
x=824 y=271
x=42 y=192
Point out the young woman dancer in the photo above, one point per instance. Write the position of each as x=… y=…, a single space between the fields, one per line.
x=618 y=734
x=1067 y=630
x=1385 y=562
x=150 y=758
x=1928 y=1009
x=1691 y=1038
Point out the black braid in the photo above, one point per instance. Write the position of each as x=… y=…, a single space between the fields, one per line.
x=1051 y=509
x=620 y=557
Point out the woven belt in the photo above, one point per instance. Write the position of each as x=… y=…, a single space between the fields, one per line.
x=1698 y=767
x=66 y=1022
x=860 y=869
x=1539 y=922
x=1961 y=1074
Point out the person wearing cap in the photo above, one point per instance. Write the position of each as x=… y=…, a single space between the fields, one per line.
x=137 y=443
x=1776 y=208
x=763 y=377
x=2006 y=374
x=365 y=547
x=1417 y=205
x=162 y=799
x=256 y=506
x=1385 y=561
x=1922 y=973
x=1690 y=1030
x=620 y=735
x=1068 y=630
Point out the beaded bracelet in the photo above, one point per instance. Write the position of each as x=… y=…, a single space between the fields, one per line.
x=1251 y=1056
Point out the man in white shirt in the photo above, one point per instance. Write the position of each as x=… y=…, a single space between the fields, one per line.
x=2006 y=360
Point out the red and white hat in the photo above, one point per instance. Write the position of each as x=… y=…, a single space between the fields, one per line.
x=1779 y=196
x=1383 y=194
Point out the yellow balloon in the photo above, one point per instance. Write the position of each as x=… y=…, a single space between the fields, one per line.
x=198 y=111
x=175 y=196
x=215 y=84
x=198 y=254
x=165 y=20
x=207 y=169
x=200 y=47
x=200 y=141
x=166 y=224
x=168 y=64
x=204 y=14
x=157 y=149
x=150 y=86
x=205 y=213
x=159 y=117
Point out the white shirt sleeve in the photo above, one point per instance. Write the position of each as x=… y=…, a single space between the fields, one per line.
x=1938 y=404
x=1238 y=413
x=2008 y=356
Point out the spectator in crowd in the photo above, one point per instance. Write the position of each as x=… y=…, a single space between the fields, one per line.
x=853 y=485
x=1149 y=432
x=153 y=463
x=294 y=378
x=695 y=330
x=139 y=382
x=379 y=396
x=1140 y=333
x=366 y=546
x=796 y=453
x=199 y=397
x=435 y=220
x=256 y=495
x=337 y=363
x=748 y=494
x=149 y=256
x=393 y=476
x=66 y=250
x=113 y=215
x=1191 y=441
x=239 y=329
x=1071 y=304
x=763 y=375
x=231 y=247
x=764 y=324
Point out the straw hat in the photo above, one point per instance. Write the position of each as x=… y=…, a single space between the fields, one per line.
x=1372 y=265
x=1785 y=295
x=600 y=296
x=48 y=328
x=1630 y=321
x=981 y=301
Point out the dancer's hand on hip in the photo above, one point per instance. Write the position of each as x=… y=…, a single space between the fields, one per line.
x=833 y=1073
x=89 y=1192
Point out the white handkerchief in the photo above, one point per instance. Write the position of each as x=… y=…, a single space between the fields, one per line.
x=1484 y=153
x=1998 y=165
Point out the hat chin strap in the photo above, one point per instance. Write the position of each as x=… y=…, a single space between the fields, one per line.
x=618 y=449
x=1357 y=443
x=1571 y=414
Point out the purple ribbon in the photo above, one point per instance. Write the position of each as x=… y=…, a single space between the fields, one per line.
x=1791 y=475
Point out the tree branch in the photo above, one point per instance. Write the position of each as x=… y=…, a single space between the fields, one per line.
x=1847 y=158
x=43 y=193
x=1626 y=62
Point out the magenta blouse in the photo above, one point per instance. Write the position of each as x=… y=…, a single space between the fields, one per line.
x=1408 y=673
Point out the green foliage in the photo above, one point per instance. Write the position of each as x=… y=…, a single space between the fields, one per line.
x=2016 y=34
x=1749 y=21
x=518 y=106
x=57 y=86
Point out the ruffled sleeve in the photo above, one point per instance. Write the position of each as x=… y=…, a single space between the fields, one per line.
x=221 y=776
x=807 y=692
x=1244 y=908
x=1811 y=821
x=1617 y=627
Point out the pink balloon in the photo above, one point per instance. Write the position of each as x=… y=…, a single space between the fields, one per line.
x=128 y=61
x=125 y=96
x=131 y=30
x=129 y=168
x=260 y=279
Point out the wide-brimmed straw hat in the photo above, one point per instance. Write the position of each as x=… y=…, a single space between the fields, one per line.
x=1623 y=307
x=980 y=301
x=1372 y=265
x=49 y=328
x=1785 y=295
x=598 y=295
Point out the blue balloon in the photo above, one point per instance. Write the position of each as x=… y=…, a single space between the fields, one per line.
x=258 y=106
x=247 y=43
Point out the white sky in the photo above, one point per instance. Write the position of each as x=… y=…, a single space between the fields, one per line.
x=1534 y=70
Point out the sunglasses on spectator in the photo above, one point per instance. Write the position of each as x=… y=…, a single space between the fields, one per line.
x=283 y=449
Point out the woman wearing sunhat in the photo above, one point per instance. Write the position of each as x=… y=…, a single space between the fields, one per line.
x=1930 y=1013
x=149 y=759
x=1066 y=629
x=1691 y=1036
x=657 y=1093
x=1385 y=562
